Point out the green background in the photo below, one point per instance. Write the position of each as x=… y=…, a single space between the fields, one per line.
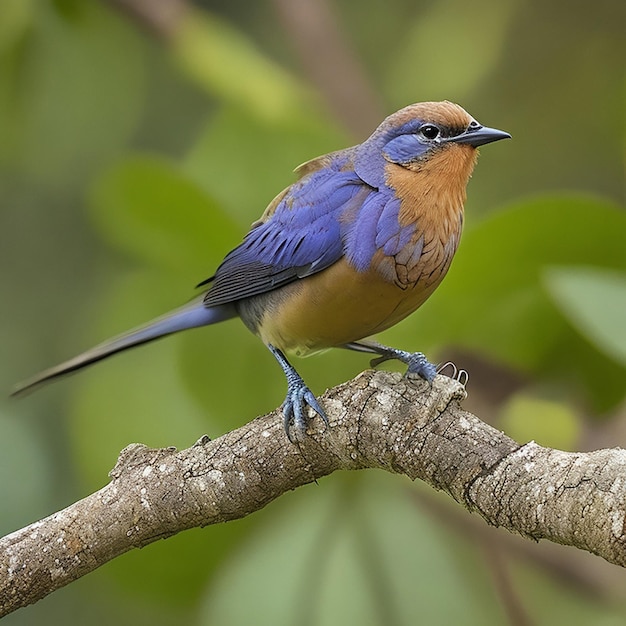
x=133 y=158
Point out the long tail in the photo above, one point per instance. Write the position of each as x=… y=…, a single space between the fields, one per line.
x=191 y=315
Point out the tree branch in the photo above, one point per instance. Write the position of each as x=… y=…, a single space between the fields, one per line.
x=331 y=63
x=378 y=420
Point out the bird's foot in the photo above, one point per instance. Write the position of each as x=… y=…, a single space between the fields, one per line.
x=299 y=396
x=416 y=362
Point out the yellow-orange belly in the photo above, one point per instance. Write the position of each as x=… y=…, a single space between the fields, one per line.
x=334 y=307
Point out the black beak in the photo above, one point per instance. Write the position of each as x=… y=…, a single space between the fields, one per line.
x=479 y=136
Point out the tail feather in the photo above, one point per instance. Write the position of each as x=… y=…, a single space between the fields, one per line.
x=191 y=315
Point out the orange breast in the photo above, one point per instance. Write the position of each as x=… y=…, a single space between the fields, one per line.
x=334 y=307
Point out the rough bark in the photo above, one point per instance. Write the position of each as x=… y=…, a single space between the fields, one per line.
x=378 y=420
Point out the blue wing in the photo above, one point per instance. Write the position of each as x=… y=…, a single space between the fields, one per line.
x=298 y=236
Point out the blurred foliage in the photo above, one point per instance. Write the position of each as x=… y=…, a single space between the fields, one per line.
x=528 y=417
x=201 y=45
x=593 y=300
x=130 y=164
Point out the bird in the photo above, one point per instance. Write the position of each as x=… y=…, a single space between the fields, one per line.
x=357 y=243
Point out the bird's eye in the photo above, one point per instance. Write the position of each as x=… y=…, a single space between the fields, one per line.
x=429 y=131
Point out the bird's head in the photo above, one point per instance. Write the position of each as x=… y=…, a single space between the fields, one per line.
x=420 y=132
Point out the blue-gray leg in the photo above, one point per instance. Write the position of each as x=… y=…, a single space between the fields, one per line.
x=298 y=397
x=416 y=362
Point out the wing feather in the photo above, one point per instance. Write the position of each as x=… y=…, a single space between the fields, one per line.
x=299 y=236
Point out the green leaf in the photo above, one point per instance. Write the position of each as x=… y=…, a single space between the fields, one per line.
x=245 y=162
x=457 y=74
x=173 y=574
x=77 y=94
x=138 y=396
x=594 y=301
x=231 y=374
x=148 y=208
x=224 y=61
x=353 y=551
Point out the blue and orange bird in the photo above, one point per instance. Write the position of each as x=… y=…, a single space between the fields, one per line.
x=356 y=244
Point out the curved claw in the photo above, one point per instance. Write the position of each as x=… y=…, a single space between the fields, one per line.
x=460 y=375
x=463 y=377
x=299 y=396
x=446 y=365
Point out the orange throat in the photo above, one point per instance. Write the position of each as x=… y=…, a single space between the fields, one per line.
x=433 y=192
